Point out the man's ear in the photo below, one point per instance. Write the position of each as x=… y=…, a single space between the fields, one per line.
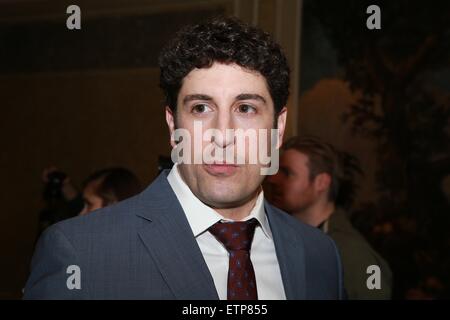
x=281 y=125
x=170 y=119
x=322 y=182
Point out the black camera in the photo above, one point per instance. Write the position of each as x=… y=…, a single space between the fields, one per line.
x=53 y=188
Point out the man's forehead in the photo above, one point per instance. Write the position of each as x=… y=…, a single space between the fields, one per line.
x=224 y=80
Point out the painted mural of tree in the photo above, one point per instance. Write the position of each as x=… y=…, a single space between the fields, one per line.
x=399 y=108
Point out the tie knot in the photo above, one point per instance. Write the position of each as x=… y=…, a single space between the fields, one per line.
x=235 y=235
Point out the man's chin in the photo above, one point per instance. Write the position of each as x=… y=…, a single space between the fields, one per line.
x=224 y=196
x=216 y=198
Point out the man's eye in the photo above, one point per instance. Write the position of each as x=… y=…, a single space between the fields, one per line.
x=200 y=108
x=246 y=108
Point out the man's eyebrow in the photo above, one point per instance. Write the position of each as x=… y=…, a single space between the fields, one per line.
x=250 y=96
x=192 y=97
x=242 y=96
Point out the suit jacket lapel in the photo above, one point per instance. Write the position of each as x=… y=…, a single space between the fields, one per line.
x=171 y=243
x=290 y=253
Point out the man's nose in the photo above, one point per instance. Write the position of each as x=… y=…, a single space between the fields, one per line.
x=224 y=123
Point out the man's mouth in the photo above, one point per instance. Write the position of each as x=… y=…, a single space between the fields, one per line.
x=225 y=169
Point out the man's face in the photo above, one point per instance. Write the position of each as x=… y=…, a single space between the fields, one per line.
x=291 y=188
x=91 y=200
x=223 y=97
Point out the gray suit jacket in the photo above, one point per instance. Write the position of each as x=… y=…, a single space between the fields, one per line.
x=143 y=248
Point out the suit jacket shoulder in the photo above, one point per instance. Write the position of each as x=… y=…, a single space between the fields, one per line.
x=106 y=248
x=143 y=248
x=317 y=264
x=140 y=248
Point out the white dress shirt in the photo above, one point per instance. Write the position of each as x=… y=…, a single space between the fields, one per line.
x=262 y=253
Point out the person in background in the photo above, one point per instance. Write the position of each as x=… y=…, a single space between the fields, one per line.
x=108 y=186
x=100 y=189
x=307 y=186
x=62 y=200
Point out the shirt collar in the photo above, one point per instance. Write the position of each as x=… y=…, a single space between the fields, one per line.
x=200 y=216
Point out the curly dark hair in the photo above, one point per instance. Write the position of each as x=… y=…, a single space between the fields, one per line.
x=224 y=40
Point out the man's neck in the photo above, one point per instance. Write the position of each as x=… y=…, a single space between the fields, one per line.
x=316 y=214
x=239 y=212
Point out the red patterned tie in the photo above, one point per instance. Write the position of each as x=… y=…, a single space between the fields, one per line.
x=237 y=238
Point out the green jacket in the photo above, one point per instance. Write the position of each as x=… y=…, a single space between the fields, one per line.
x=357 y=255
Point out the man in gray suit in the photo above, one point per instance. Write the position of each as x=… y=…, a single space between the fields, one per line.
x=203 y=229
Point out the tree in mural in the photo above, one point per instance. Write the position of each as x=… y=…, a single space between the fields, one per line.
x=392 y=70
